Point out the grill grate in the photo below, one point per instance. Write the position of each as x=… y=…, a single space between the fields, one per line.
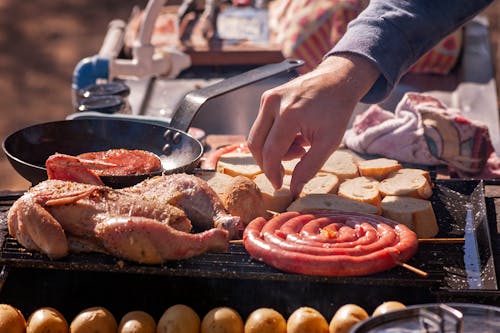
x=444 y=262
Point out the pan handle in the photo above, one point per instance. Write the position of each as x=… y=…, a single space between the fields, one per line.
x=192 y=102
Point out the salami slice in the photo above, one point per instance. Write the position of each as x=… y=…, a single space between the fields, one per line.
x=330 y=243
x=122 y=162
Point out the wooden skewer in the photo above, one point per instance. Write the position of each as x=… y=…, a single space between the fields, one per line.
x=413 y=269
x=236 y=241
x=441 y=240
x=273 y=213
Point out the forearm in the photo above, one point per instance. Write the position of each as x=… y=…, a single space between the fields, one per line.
x=394 y=34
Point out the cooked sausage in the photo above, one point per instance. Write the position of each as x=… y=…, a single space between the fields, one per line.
x=330 y=243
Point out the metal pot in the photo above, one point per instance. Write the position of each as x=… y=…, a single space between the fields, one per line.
x=435 y=318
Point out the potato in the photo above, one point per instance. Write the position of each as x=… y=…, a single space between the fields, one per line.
x=96 y=320
x=346 y=317
x=222 y=320
x=388 y=307
x=11 y=319
x=137 y=322
x=265 y=320
x=179 y=318
x=306 y=319
x=47 y=320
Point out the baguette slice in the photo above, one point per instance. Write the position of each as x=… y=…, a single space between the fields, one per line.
x=238 y=164
x=216 y=180
x=408 y=183
x=274 y=200
x=332 y=202
x=322 y=182
x=417 y=214
x=342 y=164
x=289 y=165
x=378 y=168
x=362 y=189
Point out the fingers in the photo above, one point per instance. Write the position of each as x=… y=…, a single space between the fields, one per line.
x=279 y=140
x=261 y=126
x=311 y=162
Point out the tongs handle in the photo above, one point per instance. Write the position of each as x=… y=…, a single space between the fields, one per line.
x=194 y=100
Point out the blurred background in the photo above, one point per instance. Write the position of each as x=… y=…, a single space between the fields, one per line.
x=42 y=41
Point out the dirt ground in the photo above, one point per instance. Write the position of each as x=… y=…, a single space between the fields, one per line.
x=42 y=41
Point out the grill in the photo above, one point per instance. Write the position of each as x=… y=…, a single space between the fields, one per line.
x=234 y=279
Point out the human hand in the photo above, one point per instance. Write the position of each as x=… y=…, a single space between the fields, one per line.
x=311 y=110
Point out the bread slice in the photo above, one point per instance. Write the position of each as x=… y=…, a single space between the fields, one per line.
x=417 y=214
x=274 y=200
x=323 y=182
x=342 y=164
x=238 y=164
x=362 y=189
x=289 y=165
x=216 y=180
x=407 y=182
x=331 y=201
x=378 y=168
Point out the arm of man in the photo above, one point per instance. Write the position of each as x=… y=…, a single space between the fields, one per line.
x=365 y=65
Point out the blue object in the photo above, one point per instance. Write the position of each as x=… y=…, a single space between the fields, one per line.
x=88 y=70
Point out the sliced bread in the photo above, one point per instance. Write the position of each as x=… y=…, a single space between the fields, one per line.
x=238 y=164
x=216 y=180
x=274 y=200
x=322 y=182
x=407 y=182
x=378 y=168
x=362 y=189
x=417 y=214
x=330 y=201
x=342 y=164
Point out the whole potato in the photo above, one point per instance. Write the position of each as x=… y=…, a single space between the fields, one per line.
x=96 y=320
x=388 y=307
x=137 y=322
x=346 y=317
x=306 y=319
x=179 y=318
x=11 y=319
x=222 y=320
x=265 y=320
x=47 y=320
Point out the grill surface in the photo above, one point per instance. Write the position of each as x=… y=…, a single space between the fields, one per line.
x=444 y=262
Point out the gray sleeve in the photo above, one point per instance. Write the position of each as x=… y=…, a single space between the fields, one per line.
x=394 y=34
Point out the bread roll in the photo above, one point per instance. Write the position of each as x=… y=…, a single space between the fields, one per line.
x=331 y=201
x=342 y=164
x=242 y=197
x=362 y=189
x=238 y=164
x=289 y=165
x=378 y=168
x=417 y=214
x=407 y=182
x=274 y=200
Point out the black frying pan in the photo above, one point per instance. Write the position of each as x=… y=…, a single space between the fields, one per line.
x=29 y=148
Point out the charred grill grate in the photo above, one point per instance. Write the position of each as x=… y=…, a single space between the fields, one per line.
x=444 y=262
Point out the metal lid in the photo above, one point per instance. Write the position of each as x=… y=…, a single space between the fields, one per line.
x=117 y=88
x=435 y=318
x=104 y=104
